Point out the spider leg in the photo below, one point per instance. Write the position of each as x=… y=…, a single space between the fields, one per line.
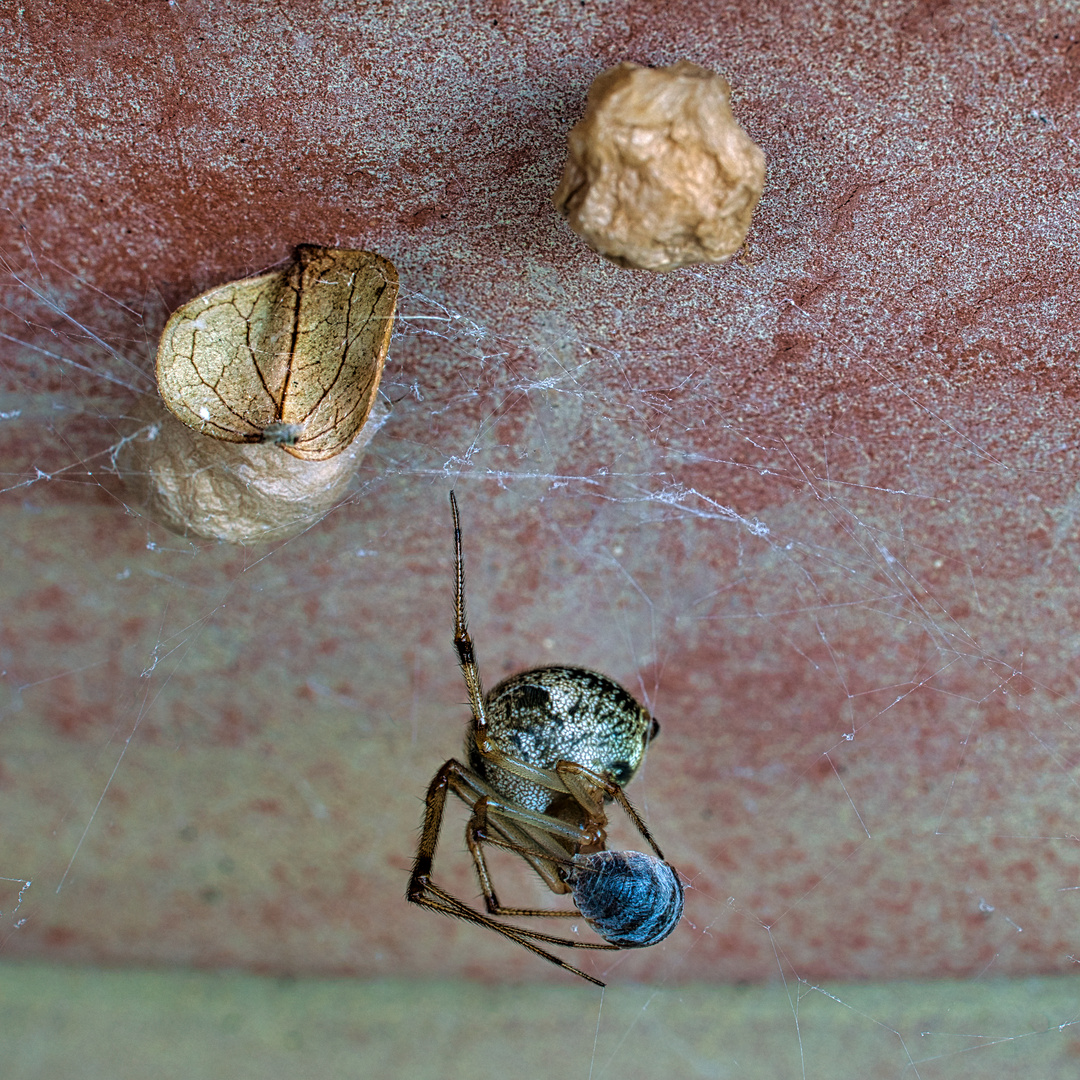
x=546 y=837
x=583 y=783
x=543 y=858
x=463 y=642
x=453 y=776
x=449 y=905
x=542 y=826
x=466 y=652
x=480 y=833
x=434 y=804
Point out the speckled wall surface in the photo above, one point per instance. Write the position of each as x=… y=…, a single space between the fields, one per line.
x=818 y=505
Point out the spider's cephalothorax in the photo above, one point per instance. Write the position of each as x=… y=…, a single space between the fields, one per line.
x=547 y=749
x=554 y=714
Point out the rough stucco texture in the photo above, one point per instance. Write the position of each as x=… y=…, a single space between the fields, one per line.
x=819 y=504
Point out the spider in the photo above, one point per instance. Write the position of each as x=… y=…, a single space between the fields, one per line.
x=546 y=750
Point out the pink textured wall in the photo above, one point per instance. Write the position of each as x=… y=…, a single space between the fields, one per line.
x=818 y=506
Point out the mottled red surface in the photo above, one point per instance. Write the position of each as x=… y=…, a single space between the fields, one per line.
x=819 y=504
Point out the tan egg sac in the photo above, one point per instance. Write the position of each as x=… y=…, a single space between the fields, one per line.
x=239 y=492
x=276 y=379
x=659 y=173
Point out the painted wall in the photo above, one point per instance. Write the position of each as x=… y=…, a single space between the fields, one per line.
x=817 y=507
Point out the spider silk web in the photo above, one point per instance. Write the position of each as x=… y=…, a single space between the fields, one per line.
x=805 y=586
x=816 y=508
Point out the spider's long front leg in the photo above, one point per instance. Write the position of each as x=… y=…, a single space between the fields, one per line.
x=463 y=642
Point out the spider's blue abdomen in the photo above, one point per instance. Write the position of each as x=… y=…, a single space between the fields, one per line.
x=630 y=899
